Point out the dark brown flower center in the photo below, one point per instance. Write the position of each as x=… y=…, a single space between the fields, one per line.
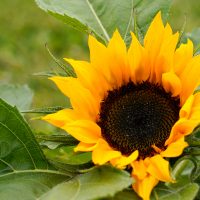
x=137 y=116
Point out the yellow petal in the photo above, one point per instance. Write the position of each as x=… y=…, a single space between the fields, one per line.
x=182 y=56
x=87 y=75
x=84 y=130
x=195 y=110
x=154 y=35
x=81 y=98
x=175 y=149
x=85 y=147
x=139 y=71
x=189 y=119
x=103 y=153
x=152 y=43
x=186 y=108
x=164 y=60
x=190 y=78
x=159 y=168
x=123 y=161
x=117 y=60
x=139 y=169
x=181 y=128
x=171 y=83
x=62 y=117
x=160 y=44
x=144 y=187
x=99 y=58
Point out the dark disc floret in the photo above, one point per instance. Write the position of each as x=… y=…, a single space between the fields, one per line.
x=137 y=116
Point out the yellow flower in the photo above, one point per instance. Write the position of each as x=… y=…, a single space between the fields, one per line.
x=133 y=107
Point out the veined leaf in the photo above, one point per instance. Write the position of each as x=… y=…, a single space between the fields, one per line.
x=100 y=182
x=185 y=192
x=183 y=188
x=17 y=95
x=102 y=17
x=24 y=172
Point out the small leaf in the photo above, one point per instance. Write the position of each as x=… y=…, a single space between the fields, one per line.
x=66 y=139
x=65 y=158
x=49 y=74
x=51 y=145
x=24 y=171
x=47 y=110
x=101 y=182
x=66 y=68
x=72 y=168
x=194 y=138
x=197 y=90
x=94 y=17
x=16 y=95
x=195 y=37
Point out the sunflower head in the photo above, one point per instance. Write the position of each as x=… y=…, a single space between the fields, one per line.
x=133 y=107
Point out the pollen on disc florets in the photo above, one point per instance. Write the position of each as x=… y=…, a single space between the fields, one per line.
x=137 y=116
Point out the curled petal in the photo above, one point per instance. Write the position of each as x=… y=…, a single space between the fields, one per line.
x=159 y=168
x=175 y=149
x=104 y=153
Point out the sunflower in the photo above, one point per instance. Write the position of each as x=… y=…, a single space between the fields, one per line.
x=133 y=108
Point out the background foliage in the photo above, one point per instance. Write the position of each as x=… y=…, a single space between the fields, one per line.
x=24 y=31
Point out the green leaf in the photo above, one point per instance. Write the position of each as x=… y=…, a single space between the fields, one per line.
x=24 y=171
x=100 y=182
x=66 y=68
x=183 y=188
x=102 y=17
x=194 y=138
x=29 y=184
x=127 y=194
x=66 y=139
x=64 y=158
x=47 y=110
x=16 y=95
x=185 y=192
x=146 y=10
x=49 y=74
x=195 y=37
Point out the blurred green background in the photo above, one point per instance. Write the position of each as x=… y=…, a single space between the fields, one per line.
x=24 y=30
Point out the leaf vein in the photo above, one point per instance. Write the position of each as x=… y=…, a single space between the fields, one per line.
x=20 y=142
x=98 y=20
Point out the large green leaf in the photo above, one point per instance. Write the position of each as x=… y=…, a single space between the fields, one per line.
x=100 y=182
x=24 y=171
x=103 y=17
x=183 y=188
x=16 y=95
x=185 y=192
